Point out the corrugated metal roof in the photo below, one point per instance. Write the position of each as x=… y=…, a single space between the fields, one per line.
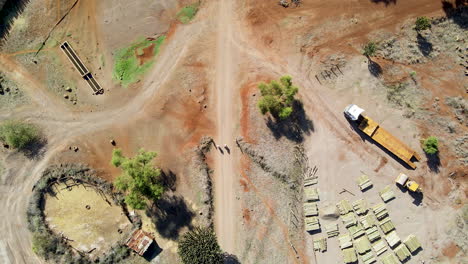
x=140 y=241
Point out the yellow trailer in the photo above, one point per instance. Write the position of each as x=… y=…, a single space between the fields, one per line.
x=382 y=136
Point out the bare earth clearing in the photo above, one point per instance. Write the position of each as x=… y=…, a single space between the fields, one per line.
x=203 y=83
x=96 y=227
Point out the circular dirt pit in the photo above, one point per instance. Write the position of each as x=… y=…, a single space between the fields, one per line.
x=98 y=227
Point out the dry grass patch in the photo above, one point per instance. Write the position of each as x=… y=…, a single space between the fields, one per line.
x=96 y=227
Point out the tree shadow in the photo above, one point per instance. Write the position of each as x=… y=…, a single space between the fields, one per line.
x=457 y=12
x=169 y=179
x=230 y=259
x=294 y=127
x=374 y=68
x=433 y=162
x=424 y=45
x=10 y=10
x=35 y=150
x=170 y=214
x=386 y=2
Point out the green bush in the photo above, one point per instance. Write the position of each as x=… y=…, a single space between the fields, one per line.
x=19 y=135
x=422 y=23
x=127 y=68
x=43 y=244
x=431 y=145
x=277 y=97
x=140 y=180
x=370 y=49
x=188 y=13
x=200 y=246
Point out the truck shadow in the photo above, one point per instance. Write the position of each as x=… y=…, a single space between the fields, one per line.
x=365 y=137
x=417 y=197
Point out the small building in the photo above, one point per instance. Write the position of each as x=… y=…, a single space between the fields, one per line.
x=140 y=241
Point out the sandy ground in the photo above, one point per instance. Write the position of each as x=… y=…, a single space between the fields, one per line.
x=199 y=65
x=224 y=165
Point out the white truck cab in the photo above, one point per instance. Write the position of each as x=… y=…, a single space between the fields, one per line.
x=353 y=112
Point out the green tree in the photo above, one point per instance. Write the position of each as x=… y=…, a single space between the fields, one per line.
x=140 y=179
x=200 y=246
x=431 y=145
x=277 y=97
x=422 y=23
x=43 y=244
x=18 y=134
x=369 y=49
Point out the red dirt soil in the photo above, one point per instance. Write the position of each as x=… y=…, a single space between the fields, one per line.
x=147 y=55
x=450 y=250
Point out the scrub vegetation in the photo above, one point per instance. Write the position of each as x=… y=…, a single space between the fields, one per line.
x=18 y=135
x=128 y=68
x=187 y=13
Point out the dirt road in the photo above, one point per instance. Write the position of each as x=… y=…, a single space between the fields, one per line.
x=224 y=168
x=63 y=126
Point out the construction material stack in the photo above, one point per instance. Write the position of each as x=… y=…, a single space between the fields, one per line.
x=364 y=182
x=387 y=194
